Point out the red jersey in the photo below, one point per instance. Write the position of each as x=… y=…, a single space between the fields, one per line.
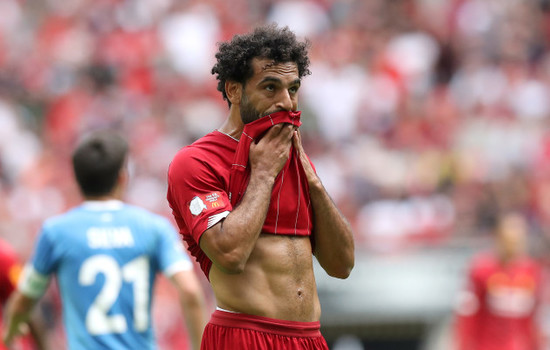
x=497 y=309
x=9 y=274
x=198 y=192
x=9 y=271
x=289 y=211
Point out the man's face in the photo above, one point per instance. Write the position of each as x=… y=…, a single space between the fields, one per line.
x=512 y=235
x=272 y=88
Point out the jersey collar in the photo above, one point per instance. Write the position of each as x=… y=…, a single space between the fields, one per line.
x=111 y=204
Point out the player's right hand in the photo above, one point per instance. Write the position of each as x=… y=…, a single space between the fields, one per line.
x=271 y=152
x=9 y=337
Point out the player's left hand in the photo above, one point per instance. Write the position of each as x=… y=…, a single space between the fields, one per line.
x=308 y=168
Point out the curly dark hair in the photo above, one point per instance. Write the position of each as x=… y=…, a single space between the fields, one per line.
x=269 y=41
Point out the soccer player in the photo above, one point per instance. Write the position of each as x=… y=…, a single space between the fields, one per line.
x=252 y=209
x=105 y=254
x=498 y=308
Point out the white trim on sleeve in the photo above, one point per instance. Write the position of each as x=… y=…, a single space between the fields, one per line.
x=32 y=284
x=214 y=219
x=182 y=265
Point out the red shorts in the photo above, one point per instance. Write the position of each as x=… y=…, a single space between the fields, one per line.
x=235 y=331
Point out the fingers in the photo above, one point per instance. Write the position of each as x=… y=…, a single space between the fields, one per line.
x=297 y=140
x=271 y=152
x=284 y=131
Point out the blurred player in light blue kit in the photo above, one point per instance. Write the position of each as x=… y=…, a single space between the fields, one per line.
x=105 y=254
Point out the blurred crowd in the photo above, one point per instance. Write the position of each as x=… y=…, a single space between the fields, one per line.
x=424 y=118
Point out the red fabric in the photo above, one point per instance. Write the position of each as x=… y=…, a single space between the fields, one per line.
x=247 y=332
x=9 y=274
x=501 y=316
x=200 y=172
x=290 y=190
x=9 y=271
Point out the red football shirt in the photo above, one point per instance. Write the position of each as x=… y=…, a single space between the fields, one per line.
x=198 y=192
x=498 y=307
x=9 y=271
x=289 y=211
x=9 y=274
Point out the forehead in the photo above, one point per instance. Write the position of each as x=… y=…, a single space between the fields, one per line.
x=264 y=67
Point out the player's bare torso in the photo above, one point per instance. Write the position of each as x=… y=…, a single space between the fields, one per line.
x=277 y=282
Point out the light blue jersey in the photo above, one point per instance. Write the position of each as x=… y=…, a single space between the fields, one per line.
x=105 y=255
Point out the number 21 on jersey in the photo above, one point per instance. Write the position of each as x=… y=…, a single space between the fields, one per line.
x=136 y=272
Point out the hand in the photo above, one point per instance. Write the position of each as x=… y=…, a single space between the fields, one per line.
x=308 y=168
x=271 y=152
x=9 y=337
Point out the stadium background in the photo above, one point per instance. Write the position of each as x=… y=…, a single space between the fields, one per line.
x=425 y=119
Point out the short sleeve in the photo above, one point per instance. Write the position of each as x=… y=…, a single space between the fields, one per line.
x=44 y=260
x=170 y=253
x=196 y=193
x=37 y=273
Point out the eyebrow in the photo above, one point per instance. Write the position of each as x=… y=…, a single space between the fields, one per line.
x=277 y=80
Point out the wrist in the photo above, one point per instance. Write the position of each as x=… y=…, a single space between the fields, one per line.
x=315 y=185
x=263 y=173
x=262 y=177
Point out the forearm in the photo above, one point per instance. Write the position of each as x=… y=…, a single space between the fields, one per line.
x=38 y=333
x=195 y=318
x=230 y=245
x=334 y=245
x=192 y=304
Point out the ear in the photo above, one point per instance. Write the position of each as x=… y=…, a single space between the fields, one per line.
x=124 y=176
x=122 y=182
x=233 y=90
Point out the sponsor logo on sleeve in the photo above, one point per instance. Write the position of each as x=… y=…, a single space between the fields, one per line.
x=206 y=202
x=215 y=199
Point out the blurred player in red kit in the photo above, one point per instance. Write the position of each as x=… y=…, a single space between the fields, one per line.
x=498 y=308
x=10 y=270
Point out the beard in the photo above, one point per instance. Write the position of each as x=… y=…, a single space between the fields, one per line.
x=248 y=112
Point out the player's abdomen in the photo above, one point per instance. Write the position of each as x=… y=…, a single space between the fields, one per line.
x=278 y=281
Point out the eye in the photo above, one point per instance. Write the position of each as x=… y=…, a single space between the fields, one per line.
x=270 y=87
x=293 y=89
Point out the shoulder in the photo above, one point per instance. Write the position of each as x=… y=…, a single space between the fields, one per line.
x=144 y=216
x=57 y=222
x=212 y=143
x=483 y=262
x=531 y=264
x=209 y=155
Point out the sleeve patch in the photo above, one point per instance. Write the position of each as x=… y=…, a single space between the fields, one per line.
x=206 y=202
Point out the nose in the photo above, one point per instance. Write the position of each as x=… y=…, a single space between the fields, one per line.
x=284 y=102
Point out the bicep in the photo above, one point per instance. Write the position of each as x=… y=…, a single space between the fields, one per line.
x=209 y=241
